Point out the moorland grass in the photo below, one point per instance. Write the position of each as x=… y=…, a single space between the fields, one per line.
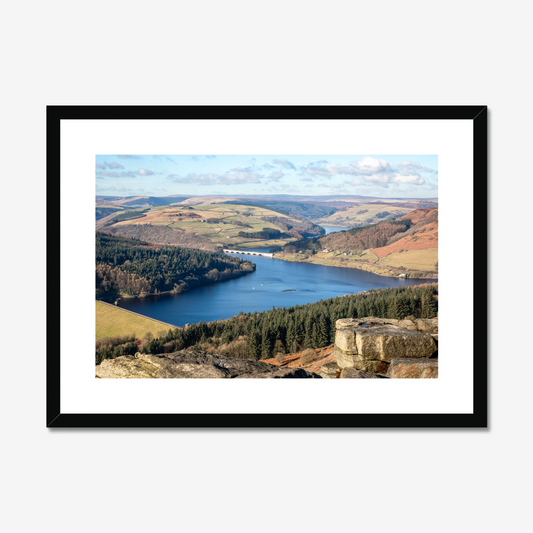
x=112 y=321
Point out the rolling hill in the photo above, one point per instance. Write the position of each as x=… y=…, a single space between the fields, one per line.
x=407 y=246
x=138 y=201
x=364 y=214
x=210 y=226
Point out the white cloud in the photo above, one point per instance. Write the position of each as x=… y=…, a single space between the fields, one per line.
x=100 y=174
x=412 y=179
x=285 y=163
x=371 y=170
x=229 y=178
x=276 y=175
x=145 y=172
x=110 y=174
x=369 y=165
x=416 y=166
x=111 y=166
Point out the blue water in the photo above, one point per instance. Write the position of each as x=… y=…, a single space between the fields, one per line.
x=332 y=229
x=261 y=290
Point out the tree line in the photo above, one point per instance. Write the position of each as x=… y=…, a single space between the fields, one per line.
x=135 y=267
x=265 y=234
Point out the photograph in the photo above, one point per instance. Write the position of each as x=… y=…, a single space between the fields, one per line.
x=266 y=266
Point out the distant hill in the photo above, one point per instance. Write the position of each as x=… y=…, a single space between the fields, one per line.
x=154 y=201
x=209 y=226
x=299 y=209
x=407 y=246
x=371 y=236
x=101 y=212
x=138 y=201
x=423 y=234
x=367 y=213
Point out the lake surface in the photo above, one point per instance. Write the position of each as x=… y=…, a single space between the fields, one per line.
x=332 y=229
x=262 y=290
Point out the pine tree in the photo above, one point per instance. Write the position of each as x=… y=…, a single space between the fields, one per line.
x=266 y=342
x=322 y=332
x=314 y=336
x=254 y=344
x=290 y=337
x=429 y=306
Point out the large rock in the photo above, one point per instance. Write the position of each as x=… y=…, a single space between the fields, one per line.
x=427 y=325
x=330 y=371
x=191 y=364
x=414 y=368
x=376 y=366
x=352 y=373
x=360 y=340
x=406 y=323
x=393 y=321
x=345 y=359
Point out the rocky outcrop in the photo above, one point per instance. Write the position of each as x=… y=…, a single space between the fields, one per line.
x=352 y=373
x=369 y=345
x=371 y=365
x=192 y=364
x=330 y=371
x=424 y=325
x=427 y=325
x=359 y=340
x=414 y=368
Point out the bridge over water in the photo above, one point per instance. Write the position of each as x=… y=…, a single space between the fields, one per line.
x=263 y=254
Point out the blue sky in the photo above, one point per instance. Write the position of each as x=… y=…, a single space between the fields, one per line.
x=386 y=176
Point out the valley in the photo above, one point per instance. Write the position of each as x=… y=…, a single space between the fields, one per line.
x=164 y=261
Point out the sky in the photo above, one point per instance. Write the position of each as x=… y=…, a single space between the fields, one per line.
x=385 y=176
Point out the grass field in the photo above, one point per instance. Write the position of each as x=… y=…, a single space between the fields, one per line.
x=368 y=261
x=226 y=233
x=112 y=321
x=337 y=261
x=351 y=216
x=369 y=255
x=417 y=259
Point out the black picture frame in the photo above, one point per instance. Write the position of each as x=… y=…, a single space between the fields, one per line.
x=478 y=419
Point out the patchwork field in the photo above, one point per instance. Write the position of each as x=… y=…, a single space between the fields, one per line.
x=220 y=223
x=416 y=259
x=112 y=321
x=363 y=214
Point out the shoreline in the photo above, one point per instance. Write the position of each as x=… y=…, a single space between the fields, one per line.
x=201 y=282
x=353 y=266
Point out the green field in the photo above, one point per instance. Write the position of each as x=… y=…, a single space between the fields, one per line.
x=352 y=216
x=338 y=260
x=416 y=259
x=112 y=321
x=225 y=233
x=367 y=260
x=369 y=255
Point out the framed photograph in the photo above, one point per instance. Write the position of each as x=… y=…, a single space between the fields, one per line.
x=239 y=266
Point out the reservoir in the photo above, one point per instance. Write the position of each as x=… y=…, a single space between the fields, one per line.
x=261 y=290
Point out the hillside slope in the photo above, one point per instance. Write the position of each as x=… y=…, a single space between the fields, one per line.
x=422 y=235
x=407 y=247
x=364 y=214
x=220 y=225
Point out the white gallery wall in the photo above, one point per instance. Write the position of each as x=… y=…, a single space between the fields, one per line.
x=280 y=52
